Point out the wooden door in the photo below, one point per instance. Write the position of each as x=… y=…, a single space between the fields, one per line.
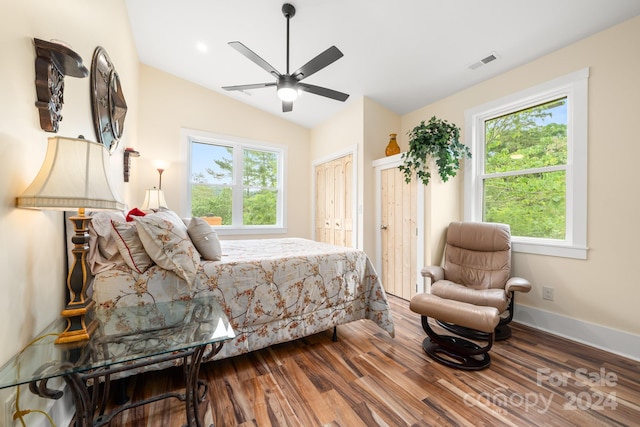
x=334 y=201
x=398 y=233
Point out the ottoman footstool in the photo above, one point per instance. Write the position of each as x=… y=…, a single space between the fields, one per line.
x=453 y=351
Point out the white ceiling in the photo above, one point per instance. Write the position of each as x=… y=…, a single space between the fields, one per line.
x=402 y=54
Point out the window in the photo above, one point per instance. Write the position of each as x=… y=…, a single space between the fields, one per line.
x=529 y=166
x=237 y=183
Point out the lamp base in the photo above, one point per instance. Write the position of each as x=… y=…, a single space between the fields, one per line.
x=77 y=328
x=78 y=311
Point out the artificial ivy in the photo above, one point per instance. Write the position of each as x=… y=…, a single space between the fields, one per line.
x=438 y=140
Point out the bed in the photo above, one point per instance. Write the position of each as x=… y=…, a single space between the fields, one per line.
x=272 y=290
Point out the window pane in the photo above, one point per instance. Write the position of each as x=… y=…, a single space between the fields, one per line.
x=260 y=169
x=238 y=183
x=209 y=200
x=532 y=204
x=260 y=206
x=211 y=164
x=530 y=138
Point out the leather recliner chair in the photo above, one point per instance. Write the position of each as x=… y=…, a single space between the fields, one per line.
x=477 y=270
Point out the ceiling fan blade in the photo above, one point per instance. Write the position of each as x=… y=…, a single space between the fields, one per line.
x=287 y=106
x=323 y=91
x=247 y=87
x=327 y=57
x=255 y=58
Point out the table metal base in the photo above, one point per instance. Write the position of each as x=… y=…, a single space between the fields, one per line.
x=91 y=390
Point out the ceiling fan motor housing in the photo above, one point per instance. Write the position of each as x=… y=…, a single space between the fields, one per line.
x=288 y=10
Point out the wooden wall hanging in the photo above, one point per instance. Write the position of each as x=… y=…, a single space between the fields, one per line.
x=53 y=62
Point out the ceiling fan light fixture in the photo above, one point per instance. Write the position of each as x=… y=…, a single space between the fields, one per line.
x=287 y=94
x=287 y=90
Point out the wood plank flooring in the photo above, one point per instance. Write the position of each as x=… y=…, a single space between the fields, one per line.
x=369 y=379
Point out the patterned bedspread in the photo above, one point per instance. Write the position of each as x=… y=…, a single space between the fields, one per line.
x=273 y=290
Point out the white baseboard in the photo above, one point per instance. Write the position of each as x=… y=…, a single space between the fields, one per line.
x=612 y=340
x=60 y=410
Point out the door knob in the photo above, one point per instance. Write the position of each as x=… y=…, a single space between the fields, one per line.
x=383 y=227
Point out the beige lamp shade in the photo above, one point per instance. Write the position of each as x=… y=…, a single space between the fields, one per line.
x=74 y=175
x=153 y=200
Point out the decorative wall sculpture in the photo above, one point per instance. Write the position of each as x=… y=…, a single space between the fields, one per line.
x=53 y=62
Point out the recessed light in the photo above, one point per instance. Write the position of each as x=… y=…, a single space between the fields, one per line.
x=201 y=47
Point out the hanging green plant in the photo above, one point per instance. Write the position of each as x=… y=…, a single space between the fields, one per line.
x=438 y=140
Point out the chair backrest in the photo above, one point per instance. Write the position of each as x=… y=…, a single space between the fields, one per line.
x=478 y=254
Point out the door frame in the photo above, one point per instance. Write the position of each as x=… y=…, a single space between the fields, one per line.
x=353 y=150
x=388 y=163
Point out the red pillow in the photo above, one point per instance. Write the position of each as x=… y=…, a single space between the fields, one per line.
x=134 y=212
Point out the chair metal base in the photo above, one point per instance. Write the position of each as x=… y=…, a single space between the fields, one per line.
x=454 y=359
x=455 y=352
x=502 y=332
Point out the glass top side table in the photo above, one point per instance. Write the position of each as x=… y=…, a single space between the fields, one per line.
x=127 y=338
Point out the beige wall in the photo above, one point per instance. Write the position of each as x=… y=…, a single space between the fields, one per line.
x=333 y=137
x=32 y=257
x=168 y=103
x=443 y=201
x=602 y=289
x=598 y=290
x=367 y=125
x=378 y=122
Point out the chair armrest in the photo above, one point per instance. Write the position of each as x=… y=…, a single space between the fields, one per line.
x=433 y=272
x=517 y=284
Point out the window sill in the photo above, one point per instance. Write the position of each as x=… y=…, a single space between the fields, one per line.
x=550 y=249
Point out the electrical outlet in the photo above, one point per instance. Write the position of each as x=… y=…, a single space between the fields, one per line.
x=547 y=293
x=9 y=409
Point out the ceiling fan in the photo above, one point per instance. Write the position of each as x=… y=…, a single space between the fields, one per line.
x=289 y=84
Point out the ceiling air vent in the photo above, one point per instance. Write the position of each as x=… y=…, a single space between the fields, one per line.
x=489 y=58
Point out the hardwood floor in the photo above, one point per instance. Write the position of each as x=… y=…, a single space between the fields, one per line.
x=369 y=379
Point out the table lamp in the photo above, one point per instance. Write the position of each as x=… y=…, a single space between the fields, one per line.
x=74 y=175
x=154 y=197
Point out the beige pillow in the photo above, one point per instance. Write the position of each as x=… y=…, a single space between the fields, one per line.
x=103 y=251
x=205 y=239
x=165 y=238
x=130 y=246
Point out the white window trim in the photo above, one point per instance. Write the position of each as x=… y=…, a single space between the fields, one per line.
x=575 y=87
x=188 y=135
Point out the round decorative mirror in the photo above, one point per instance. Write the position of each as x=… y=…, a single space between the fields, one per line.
x=108 y=105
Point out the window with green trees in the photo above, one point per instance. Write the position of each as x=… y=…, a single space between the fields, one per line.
x=529 y=166
x=525 y=170
x=240 y=183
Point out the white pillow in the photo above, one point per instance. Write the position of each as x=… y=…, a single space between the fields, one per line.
x=165 y=238
x=205 y=239
x=130 y=246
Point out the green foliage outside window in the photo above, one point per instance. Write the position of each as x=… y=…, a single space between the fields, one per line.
x=211 y=201
x=532 y=201
x=259 y=208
